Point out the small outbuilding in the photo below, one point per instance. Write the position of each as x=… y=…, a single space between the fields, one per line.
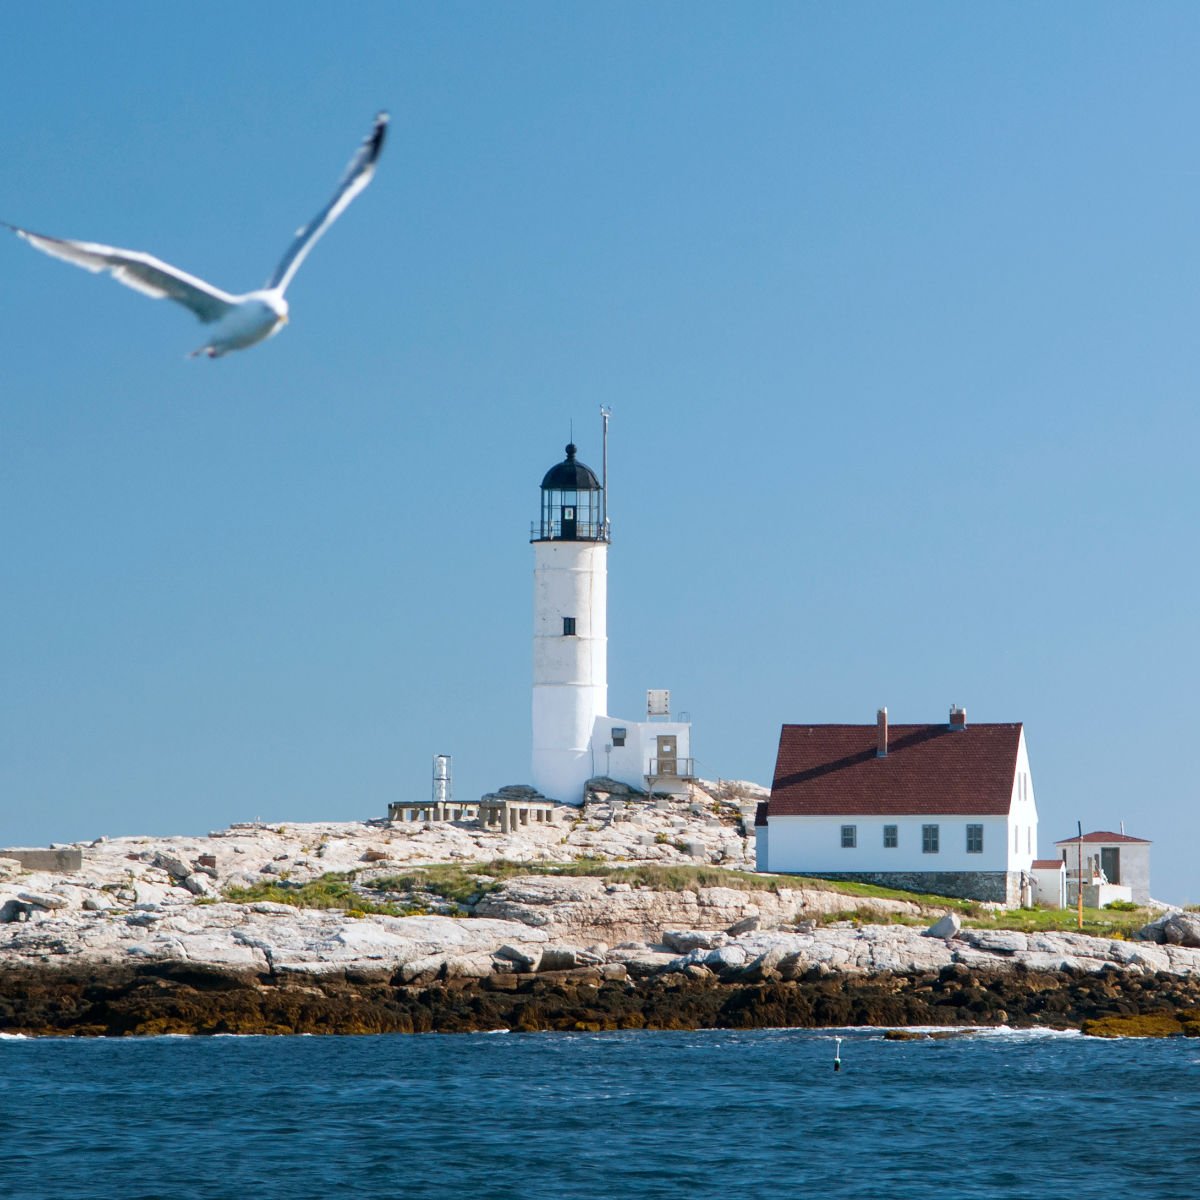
x=1112 y=863
x=1049 y=882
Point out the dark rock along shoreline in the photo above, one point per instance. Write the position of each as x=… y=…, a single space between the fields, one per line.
x=184 y=999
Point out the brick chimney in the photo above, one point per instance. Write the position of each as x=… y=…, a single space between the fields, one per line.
x=958 y=717
x=881 y=733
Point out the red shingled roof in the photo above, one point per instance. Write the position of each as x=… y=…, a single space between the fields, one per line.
x=1101 y=836
x=1047 y=864
x=831 y=770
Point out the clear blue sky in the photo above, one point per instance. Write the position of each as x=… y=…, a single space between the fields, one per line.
x=896 y=308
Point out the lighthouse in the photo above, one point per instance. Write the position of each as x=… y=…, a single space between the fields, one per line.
x=570 y=627
x=575 y=738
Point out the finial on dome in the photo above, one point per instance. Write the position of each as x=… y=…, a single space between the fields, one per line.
x=571 y=451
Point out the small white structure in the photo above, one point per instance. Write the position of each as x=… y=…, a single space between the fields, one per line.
x=1049 y=882
x=574 y=738
x=1115 y=867
x=443 y=786
x=947 y=808
x=651 y=754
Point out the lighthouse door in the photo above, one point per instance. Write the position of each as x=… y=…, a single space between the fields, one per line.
x=668 y=764
x=568 y=522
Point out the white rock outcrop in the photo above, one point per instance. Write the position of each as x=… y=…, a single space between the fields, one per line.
x=138 y=900
x=575 y=907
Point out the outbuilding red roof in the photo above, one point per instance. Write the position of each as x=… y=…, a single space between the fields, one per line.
x=1047 y=864
x=831 y=770
x=1101 y=836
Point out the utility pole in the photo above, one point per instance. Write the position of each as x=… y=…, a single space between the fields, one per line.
x=1079 y=867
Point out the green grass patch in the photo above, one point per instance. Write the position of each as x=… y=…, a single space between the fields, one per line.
x=1097 y=922
x=456 y=884
x=333 y=890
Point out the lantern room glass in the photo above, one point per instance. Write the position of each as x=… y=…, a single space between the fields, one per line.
x=572 y=514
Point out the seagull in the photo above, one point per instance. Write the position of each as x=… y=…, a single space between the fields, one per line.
x=238 y=321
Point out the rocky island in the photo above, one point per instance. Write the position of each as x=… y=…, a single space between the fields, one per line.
x=626 y=913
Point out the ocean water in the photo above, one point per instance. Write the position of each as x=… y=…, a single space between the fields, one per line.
x=680 y=1115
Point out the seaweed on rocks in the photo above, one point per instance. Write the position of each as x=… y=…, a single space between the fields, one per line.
x=176 y=998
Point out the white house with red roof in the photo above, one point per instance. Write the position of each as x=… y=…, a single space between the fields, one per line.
x=1115 y=867
x=946 y=808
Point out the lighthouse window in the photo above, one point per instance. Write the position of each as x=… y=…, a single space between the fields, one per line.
x=568 y=626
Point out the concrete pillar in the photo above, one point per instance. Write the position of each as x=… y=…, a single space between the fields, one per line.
x=524 y=813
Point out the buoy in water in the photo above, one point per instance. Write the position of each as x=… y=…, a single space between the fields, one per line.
x=837 y=1055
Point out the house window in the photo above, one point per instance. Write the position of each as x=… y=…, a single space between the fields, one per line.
x=929 y=839
x=890 y=840
x=849 y=837
x=618 y=735
x=974 y=839
x=568 y=626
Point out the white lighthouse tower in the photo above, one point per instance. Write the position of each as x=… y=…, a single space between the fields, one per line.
x=570 y=628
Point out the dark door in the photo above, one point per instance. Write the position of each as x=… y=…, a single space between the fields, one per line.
x=568 y=522
x=1110 y=863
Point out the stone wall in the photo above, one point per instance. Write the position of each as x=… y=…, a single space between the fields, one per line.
x=999 y=887
x=46 y=860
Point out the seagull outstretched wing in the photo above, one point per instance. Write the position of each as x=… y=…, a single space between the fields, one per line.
x=358 y=175
x=142 y=272
x=240 y=320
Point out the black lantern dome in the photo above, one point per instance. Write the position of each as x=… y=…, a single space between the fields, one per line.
x=571 y=474
x=572 y=504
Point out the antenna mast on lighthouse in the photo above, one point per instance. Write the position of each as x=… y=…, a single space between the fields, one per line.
x=605 y=413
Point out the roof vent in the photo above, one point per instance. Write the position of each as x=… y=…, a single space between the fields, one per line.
x=958 y=717
x=881 y=734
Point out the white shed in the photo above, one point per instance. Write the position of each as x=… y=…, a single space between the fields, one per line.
x=1050 y=882
x=1108 y=859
